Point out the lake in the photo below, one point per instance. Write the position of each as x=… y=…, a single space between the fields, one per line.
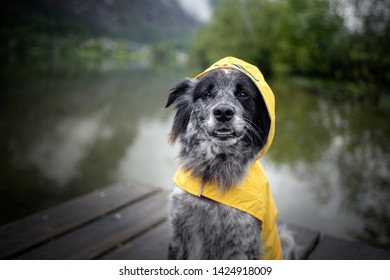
x=65 y=133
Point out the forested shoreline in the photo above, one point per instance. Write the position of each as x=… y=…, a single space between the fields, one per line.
x=341 y=41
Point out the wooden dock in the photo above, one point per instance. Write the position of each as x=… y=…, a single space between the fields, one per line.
x=129 y=221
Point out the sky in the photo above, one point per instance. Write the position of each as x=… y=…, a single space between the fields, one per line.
x=200 y=9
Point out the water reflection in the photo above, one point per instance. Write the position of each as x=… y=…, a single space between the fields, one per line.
x=149 y=159
x=299 y=204
x=59 y=153
x=67 y=133
x=341 y=160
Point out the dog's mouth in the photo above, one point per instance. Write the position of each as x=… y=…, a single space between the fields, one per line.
x=224 y=134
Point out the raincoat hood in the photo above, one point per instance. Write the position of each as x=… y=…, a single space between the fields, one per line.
x=253 y=194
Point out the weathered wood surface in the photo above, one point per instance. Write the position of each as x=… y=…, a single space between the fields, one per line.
x=129 y=221
x=35 y=231
x=152 y=245
x=333 y=248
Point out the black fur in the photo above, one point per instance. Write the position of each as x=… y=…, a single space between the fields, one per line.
x=183 y=105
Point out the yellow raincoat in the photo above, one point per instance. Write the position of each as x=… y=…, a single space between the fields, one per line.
x=253 y=195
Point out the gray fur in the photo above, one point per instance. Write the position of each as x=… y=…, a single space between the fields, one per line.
x=205 y=229
x=202 y=228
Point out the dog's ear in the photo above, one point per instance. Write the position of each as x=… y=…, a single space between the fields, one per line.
x=178 y=91
x=181 y=96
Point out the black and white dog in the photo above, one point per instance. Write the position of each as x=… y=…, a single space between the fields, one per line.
x=222 y=123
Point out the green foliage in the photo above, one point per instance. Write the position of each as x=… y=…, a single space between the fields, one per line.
x=43 y=33
x=298 y=37
x=369 y=45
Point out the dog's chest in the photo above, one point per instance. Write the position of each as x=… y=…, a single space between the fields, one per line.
x=211 y=230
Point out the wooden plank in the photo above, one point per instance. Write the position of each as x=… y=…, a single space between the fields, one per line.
x=305 y=240
x=92 y=240
x=23 y=234
x=153 y=245
x=333 y=248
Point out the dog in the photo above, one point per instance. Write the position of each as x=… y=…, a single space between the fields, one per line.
x=220 y=206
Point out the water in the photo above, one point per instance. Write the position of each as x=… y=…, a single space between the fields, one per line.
x=64 y=134
x=329 y=166
x=67 y=133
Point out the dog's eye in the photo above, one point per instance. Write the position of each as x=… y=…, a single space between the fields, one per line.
x=242 y=95
x=206 y=96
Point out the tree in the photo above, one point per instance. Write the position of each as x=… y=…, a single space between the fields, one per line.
x=282 y=37
x=369 y=41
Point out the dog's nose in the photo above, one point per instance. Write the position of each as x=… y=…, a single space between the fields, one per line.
x=223 y=113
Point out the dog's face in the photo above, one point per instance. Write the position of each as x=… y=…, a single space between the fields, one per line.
x=221 y=118
x=224 y=104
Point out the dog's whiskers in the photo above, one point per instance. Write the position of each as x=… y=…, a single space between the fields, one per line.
x=253 y=129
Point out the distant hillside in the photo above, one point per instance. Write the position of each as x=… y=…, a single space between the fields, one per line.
x=135 y=20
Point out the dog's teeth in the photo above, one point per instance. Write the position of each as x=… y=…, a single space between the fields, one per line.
x=224 y=132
